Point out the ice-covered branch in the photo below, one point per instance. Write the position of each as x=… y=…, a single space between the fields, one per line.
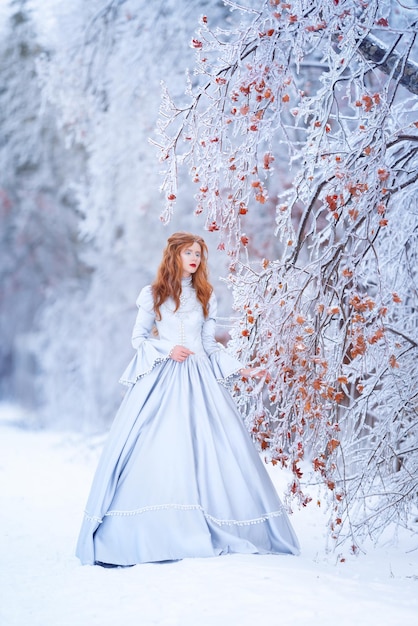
x=301 y=138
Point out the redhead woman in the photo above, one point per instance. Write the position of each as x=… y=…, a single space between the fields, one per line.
x=179 y=475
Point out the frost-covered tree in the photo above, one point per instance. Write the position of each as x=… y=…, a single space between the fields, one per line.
x=302 y=122
x=38 y=249
x=103 y=77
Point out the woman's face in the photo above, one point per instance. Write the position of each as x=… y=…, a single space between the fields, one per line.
x=190 y=259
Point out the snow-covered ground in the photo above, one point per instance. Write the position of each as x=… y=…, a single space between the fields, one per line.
x=44 y=481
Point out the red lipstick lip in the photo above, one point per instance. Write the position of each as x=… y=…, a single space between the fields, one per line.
x=192 y=264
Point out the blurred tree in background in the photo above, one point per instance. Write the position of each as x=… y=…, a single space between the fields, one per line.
x=81 y=232
x=39 y=249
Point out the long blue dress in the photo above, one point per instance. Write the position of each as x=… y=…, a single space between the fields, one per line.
x=179 y=475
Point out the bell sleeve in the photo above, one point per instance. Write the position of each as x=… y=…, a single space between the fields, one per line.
x=224 y=365
x=150 y=351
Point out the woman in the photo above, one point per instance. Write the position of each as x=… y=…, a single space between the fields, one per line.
x=179 y=475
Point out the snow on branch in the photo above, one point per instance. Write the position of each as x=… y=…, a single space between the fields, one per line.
x=299 y=133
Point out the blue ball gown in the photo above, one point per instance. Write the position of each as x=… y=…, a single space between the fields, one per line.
x=179 y=475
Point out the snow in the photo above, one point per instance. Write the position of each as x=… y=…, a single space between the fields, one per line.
x=45 y=477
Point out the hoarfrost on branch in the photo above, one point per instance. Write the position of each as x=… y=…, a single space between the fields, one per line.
x=301 y=137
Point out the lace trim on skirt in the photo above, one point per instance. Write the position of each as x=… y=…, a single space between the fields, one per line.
x=188 y=507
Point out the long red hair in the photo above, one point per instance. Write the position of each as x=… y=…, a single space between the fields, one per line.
x=170 y=272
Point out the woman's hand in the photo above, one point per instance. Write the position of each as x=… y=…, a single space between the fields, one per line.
x=253 y=372
x=180 y=353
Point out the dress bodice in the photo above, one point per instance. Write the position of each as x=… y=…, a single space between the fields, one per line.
x=184 y=326
x=187 y=327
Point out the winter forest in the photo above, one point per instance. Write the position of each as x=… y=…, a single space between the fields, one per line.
x=286 y=134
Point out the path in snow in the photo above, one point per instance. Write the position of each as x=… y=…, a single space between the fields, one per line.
x=44 y=482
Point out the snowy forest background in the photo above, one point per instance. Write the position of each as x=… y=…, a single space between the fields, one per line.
x=292 y=147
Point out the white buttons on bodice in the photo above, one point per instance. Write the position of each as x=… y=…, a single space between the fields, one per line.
x=184 y=326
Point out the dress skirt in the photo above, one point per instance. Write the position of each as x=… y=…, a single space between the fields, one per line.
x=180 y=477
